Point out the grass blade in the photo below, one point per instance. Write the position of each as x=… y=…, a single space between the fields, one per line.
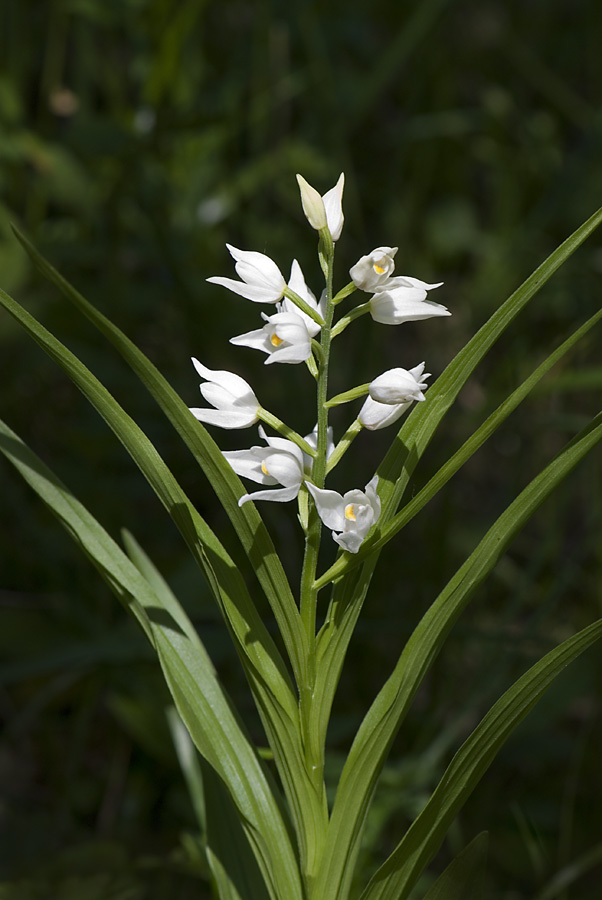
x=464 y=877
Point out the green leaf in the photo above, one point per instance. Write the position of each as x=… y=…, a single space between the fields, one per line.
x=264 y=667
x=234 y=869
x=381 y=723
x=201 y=702
x=395 y=879
x=464 y=877
x=246 y=519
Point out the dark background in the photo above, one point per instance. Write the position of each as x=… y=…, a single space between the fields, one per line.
x=136 y=138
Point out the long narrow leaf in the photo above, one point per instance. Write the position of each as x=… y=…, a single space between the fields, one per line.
x=201 y=701
x=246 y=519
x=464 y=877
x=395 y=879
x=264 y=667
x=381 y=723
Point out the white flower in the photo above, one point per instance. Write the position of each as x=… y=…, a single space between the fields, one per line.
x=236 y=406
x=262 y=280
x=281 y=462
x=352 y=515
x=312 y=440
x=297 y=284
x=403 y=299
x=326 y=210
x=390 y=395
x=284 y=338
x=399 y=385
x=372 y=270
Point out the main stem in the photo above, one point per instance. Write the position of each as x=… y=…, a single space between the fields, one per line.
x=309 y=595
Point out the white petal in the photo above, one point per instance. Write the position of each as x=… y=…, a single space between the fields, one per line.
x=257 y=268
x=290 y=355
x=258 y=340
x=396 y=386
x=228 y=380
x=373 y=497
x=374 y=415
x=394 y=309
x=225 y=418
x=350 y=541
x=284 y=468
x=330 y=506
x=256 y=293
x=282 y=444
x=297 y=284
x=247 y=464
x=221 y=398
x=313 y=205
x=408 y=281
x=333 y=204
x=280 y=495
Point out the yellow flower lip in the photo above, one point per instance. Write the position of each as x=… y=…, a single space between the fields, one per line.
x=349 y=512
x=264 y=468
x=378 y=268
x=275 y=341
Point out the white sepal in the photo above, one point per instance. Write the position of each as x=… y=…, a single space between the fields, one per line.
x=297 y=284
x=404 y=303
x=262 y=280
x=236 y=406
x=399 y=385
x=323 y=211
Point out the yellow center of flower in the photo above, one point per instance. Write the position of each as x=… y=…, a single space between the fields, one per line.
x=350 y=513
x=264 y=468
x=378 y=268
x=275 y=341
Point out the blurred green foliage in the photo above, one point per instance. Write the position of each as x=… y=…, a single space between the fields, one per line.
x=136 y=137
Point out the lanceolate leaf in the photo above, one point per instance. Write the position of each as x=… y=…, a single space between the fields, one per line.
x=201 y=701
x=395 y=879
x=264 y=667
x=464 y=877
x=384 y=717
x=246 y=519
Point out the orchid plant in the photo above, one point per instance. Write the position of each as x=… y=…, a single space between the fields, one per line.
x=269 y=831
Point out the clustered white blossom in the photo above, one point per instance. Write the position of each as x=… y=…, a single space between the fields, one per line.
x=286 y=336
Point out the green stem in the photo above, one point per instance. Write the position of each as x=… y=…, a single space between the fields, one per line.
x=343 y=445
x=308 y=599
x=283 y=429
x=303 y=306
x=355 y=313
x=347 y=396
x=344 y=292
